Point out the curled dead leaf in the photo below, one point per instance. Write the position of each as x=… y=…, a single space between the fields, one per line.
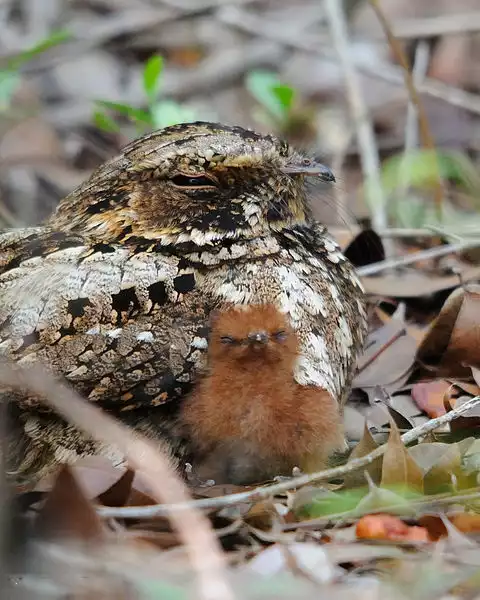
x=430 y=395
x=451 y=346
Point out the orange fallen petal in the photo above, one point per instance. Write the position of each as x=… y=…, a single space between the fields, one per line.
x=380 y=527
x=388 y=527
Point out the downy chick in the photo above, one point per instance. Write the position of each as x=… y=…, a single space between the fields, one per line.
x=248 y=418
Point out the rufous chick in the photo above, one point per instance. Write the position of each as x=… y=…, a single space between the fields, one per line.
x=248 y=418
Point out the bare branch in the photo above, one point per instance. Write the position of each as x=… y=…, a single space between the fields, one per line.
x=261 y=493
x=403 y=261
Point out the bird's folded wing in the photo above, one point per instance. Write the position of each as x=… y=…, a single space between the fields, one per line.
x=120 y=326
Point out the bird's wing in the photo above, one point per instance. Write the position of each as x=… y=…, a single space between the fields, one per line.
x=120 y=326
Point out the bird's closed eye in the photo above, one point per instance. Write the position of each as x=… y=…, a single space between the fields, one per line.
x=227 y=339
x=192 y=181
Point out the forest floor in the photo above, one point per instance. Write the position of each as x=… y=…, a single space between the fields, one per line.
x=400 y=517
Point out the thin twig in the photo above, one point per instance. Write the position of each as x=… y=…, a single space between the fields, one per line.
x=363 y=126
x=425 y=133
x=261 y=493
x=412 y=232
x=437 y=26
x=151 y=465
x=409 y=259
x=419 y=72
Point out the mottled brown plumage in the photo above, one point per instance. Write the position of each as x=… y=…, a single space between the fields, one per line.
x=114 y=292
x=248 y=418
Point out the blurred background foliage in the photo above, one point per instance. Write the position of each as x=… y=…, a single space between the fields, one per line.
x=80 y=79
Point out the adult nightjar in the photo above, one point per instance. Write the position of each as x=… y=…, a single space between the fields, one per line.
x=114 y=291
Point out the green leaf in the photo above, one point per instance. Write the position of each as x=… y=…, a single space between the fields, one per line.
x=394 y=498
x=8 y=82
x=328 y=503
x=136 y=114
x=285 y=95
x=271 y=93
x=420 y=168
x=168 y=112
x=104 y=122
x=56 y=38
x=151 y=76
x=471 y=458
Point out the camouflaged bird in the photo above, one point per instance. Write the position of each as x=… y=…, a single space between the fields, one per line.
x=114 y=292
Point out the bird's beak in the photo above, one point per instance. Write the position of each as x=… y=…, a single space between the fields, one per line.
x=259 y=337
x=310 y=168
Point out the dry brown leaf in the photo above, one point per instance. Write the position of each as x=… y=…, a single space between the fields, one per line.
x=388 y=357
x=261 y=515
x=413 y=283
x=470 y=388
x=119 y=493
x=399 y=468
x=67 y=513
x=430 y=396
x=451 y=346
x=364 y=446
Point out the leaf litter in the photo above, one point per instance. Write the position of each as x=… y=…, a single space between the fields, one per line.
x=408 y=508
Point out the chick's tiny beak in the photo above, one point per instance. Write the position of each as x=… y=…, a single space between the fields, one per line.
x=310 y=168
x=258 y=337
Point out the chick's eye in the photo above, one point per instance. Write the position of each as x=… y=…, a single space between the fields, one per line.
x=192 y=181
x=227 y=339
x=280 y=336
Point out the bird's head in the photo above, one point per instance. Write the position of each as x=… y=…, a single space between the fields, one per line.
x=252 y=334
x=196 y=182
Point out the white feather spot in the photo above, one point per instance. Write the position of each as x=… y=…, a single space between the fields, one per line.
x=145 y=336
x=114 y=333
x=335 y=257
x=330 y=246
x=200 y=343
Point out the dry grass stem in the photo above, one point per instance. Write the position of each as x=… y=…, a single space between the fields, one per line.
x=363 y=126
x=201 y=544
x=425 y=133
